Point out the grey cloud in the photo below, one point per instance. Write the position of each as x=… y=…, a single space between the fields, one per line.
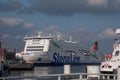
x=62 y=7
x=68 y=7
x=55 y=7
x=107 y=33
x=10 y=5
x=14 y=26
x=11 y=22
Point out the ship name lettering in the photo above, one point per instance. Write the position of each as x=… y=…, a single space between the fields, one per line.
x=57 y=58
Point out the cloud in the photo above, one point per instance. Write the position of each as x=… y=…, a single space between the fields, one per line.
x=107 y=33
x=28 y=25
x=68 y=7
x=51 y=28
x=80 y=34
x=18 y=36
x=81 y=30
x=10 y=5
x=61 y=7
x=6 y=36
x=14 y=27
x=97 y=3
x=11 y=21
x=83 y=34
x=54 y=31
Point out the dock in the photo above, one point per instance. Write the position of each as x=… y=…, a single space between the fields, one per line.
x=73 y=76
x=67 y=75
x=24 y=66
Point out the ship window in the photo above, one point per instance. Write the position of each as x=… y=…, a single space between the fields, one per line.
x=69 y=51
x=117 y=53
x=103 y=66
x=34 y=50
x=35 y=46
x=109 y=66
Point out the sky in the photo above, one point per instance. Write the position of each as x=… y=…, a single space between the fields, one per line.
x=84 y=20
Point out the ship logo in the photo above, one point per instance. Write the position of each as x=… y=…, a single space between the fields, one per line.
x=57 y=58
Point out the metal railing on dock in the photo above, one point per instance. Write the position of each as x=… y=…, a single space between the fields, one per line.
x=71 y=76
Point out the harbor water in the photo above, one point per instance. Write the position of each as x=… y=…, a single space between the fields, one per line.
x=45 y=70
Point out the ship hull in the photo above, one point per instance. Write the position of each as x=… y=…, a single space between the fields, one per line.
x=57 y=59
x=41 y=57
x=62 y=64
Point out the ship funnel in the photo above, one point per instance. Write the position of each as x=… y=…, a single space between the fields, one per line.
x=95 y=47
x=58 y=37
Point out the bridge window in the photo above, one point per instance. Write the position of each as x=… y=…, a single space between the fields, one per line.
x=34 y=50
x=35 y=46
x=117 y=53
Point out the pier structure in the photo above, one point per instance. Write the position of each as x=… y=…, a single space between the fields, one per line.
x=67 y=69
x=118 y=73
x=93 y=69
x=74 y=76
x=67 y=75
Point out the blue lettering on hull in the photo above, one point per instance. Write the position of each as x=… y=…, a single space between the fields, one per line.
x=60 y=60
x=57 y=58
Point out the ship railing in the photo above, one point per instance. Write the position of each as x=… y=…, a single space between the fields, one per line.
x=71 y=76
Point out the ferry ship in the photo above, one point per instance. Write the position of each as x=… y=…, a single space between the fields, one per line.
x=44 y=50
x=112 y=61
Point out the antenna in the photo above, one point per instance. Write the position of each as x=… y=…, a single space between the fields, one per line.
x=58 y=37
x=39 y=33
x=70 y=38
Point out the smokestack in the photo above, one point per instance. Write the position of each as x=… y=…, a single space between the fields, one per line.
x=95 y=47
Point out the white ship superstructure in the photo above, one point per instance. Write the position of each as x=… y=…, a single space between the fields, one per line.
x=36 y=48
x=43 y=49
x=112 y=61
